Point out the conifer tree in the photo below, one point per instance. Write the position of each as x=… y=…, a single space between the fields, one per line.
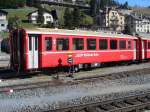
x=68 y=18
x=76 y=17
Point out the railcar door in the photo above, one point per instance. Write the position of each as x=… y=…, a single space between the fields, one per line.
x=143 y=49
x=135 y=50
x=33 y=59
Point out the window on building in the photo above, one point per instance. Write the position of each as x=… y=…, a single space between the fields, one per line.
x=91 y=44
x=148 y=45
x=78 y=43
x=103 y=44
x=48 y=43
x=113 y=44
x=113 y=13
x=2 y=25
x=62 y=44
x=48 y=17
x=122 y=44
x=129 y=44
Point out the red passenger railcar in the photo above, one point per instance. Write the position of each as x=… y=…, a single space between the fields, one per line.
x=45 y=48
x=145 y=49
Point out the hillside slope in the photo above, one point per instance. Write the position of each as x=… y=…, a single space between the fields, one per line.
x=144 y=11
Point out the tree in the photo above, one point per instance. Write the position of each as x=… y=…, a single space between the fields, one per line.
x=30 y=3
x=40 y=18
x=127 y=30
x=94 y=7
x=14 y=23
x=102 y=4
x=125 y=5
x=12 y=3
x=68 y=18
x=86 y=20
x=76 y=17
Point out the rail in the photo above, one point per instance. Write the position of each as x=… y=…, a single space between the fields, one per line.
x=123 y=104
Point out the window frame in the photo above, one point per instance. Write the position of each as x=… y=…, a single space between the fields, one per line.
x=83 y=47
x=106 y=43
x=122 y=48
x=30 y=43
x=129 y=47
x=51 y=43
x=90 y=46
x=63 y=37
x=116 y=44
x=148 y=45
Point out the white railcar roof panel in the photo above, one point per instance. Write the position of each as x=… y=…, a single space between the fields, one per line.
x=76 y=32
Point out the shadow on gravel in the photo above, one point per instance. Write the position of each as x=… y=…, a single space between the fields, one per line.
x=6 y=73
x=11 y=74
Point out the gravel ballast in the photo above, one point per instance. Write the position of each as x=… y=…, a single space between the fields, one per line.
x=82 y=74
x=43 y=99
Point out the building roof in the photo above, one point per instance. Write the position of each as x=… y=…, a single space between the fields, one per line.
x=139 y=17
x=2 y=11
x=3 y=21
x=76 y=32
x=38 y=11
x=135 y=17
x=53 y=13
x=144 y=35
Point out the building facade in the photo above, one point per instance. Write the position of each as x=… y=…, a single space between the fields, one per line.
x=33 y=16
x=111 y=19
x=3 y=20
x=138 y=23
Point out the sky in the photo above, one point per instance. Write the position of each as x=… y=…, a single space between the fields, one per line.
x=142 y=3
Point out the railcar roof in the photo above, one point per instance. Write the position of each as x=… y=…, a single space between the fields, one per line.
x=76 y=32
x=145 y=36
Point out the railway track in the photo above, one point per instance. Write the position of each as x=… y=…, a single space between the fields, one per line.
x=53 y=82
x=135 y=103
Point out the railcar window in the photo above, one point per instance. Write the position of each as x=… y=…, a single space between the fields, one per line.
x=48 y=43
x=36 y=43
x=122 y=44
x=30 y=43
x=129 y=44
x=103 y=44
x=148 y=45
x=62 y=44
x=113 y=44
x=78 y=44
x=91 y=44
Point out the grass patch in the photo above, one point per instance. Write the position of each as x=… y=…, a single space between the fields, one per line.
x=4 y=34
x=22 y=14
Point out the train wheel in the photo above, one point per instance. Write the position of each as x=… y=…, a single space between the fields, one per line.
x=87 y=66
